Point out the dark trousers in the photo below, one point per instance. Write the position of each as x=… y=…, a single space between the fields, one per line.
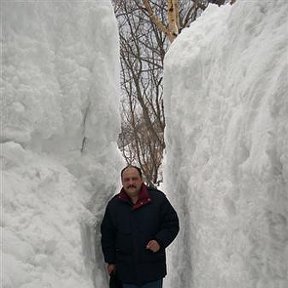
x=154 y=284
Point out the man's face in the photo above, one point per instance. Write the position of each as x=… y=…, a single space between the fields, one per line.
x=131 y=181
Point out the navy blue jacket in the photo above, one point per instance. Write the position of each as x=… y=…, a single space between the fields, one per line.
x=126 y=230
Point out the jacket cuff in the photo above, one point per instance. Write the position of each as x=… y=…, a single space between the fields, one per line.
x=160 y=242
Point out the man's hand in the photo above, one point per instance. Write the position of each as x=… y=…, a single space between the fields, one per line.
x=153 y=245
x=111 y=268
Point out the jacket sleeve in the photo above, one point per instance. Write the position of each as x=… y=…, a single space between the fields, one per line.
x=169 y=224
x=108 y=235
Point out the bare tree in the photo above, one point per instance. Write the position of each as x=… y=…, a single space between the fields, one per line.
x=146 y=28
x=178 y=16
x=142 y=50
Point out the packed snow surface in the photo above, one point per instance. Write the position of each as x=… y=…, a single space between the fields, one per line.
x=226 y=169
x=59 y=127
x=226 y=106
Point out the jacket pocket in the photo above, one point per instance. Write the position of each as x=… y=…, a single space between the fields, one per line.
x=150 y=257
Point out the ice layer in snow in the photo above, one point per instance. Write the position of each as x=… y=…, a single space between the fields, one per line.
x=226 y=105
x=60 y=123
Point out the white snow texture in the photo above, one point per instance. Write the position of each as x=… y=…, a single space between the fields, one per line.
x=59 y=127
x=226 y=105
x=226 y=165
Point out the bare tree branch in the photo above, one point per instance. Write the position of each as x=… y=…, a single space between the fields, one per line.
x=146 y=30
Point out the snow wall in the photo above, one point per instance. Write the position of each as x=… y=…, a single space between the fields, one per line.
x=226 y=105
x=60 y=123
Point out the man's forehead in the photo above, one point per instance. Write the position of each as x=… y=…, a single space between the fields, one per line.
x=130 y=171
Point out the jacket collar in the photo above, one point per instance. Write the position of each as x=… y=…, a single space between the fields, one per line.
x=143 y=198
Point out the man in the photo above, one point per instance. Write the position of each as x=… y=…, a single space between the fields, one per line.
x=139 y=223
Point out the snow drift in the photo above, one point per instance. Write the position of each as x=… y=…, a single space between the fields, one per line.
x=60 y=123
x=226 y=107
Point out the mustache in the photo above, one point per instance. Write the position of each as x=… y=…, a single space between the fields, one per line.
x=131 y=186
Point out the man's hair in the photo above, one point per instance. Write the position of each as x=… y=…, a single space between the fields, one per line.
x=131 y=166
